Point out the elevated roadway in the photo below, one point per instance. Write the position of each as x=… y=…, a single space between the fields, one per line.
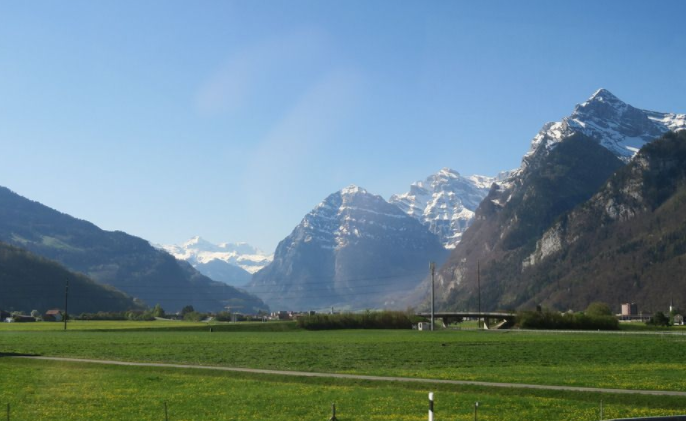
x=488 y=317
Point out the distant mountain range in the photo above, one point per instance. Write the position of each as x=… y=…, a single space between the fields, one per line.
x=230 y=263
x=128 y=263
x=520 y=224
x=596 y=211
x=354 y=250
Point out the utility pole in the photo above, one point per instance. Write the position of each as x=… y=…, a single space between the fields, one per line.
x=432 y=268
x=478 y=283
x=66 y=304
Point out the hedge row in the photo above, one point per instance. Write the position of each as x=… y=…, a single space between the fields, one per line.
x=366 y=320
x=566 y=321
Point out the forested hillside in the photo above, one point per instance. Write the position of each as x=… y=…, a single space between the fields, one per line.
x=29 y=282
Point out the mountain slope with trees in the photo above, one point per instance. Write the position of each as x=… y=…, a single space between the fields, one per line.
x=29 y=282
x=509 y=221
x=568 y=163
x=126 y=262
x=626 y=244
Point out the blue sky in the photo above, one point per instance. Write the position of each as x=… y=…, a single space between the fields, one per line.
x=231 y=120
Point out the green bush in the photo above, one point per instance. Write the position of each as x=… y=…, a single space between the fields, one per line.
x=366 y=320
x=103 y=315
x=659 y=319
x=598 y=309
x=565 y=321
x=193 y=316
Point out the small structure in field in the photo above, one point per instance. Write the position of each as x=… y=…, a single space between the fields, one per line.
x=423 y=326
x=52 y=316
x=23 y=319
x=678 y=320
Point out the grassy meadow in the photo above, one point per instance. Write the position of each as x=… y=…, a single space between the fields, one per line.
x=55 y=390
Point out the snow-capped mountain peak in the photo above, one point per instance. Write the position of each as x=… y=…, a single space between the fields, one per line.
x=198 y=251
x=350 y=240
x=353 y=189
x=200 y=243
x=617 y=126
x=445 y=202
x=603 y=95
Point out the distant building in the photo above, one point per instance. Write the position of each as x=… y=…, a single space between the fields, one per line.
x=53 y=316
x=280 y=315
x=23 y=319
x=678 y=320
x=629 y=309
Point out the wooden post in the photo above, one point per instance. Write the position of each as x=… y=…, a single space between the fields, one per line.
x=478 y=283
x=432 y=268
x=333 y=413
x=66 y=304
x=601 y=409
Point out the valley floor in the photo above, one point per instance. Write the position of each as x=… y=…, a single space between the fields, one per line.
x=68 y=390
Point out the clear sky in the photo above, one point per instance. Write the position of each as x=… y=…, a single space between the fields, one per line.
x=231 y=120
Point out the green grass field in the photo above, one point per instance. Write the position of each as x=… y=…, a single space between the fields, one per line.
x=44 y=390
x=158 y=325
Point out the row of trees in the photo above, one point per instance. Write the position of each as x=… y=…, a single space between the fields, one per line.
x=366 y=320
x=598 y=316
x=661 y=319
x=187 y=313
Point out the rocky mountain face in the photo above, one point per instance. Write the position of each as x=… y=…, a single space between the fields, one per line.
x=354 y=250
x=29 y=282
x=627 y=243
x=128 y=263
x=445 y=203
x=568 y=163
x=230 y=263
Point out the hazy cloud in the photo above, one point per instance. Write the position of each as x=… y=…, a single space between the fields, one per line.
x=230 y=86
x=286 y=159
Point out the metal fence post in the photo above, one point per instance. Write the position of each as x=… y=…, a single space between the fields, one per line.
x=333 y=413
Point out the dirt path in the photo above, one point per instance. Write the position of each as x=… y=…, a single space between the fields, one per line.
x=364 y=377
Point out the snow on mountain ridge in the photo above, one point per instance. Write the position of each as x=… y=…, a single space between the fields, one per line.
x=199 y=251
x=445 y=202
x=342 y=215
x=349 y=242
x=618 y=126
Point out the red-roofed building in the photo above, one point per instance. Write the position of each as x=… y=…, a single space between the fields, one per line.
x=52 y=316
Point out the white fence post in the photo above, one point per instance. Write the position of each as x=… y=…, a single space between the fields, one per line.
x=431 y=406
